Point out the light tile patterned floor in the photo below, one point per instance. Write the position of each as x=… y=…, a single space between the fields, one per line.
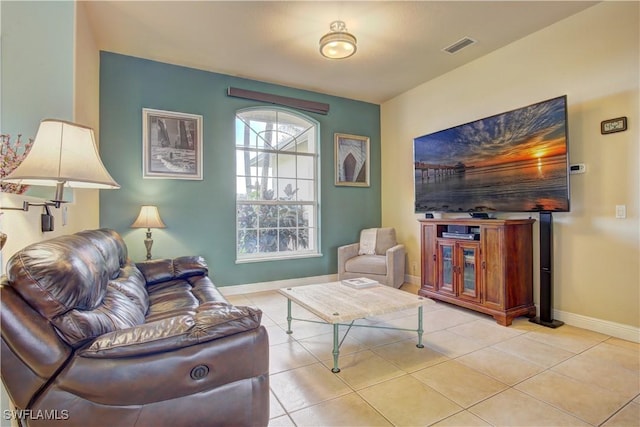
x=472 y=372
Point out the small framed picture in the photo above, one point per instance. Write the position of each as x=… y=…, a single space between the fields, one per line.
x=352 y=160
x=171 y=145
x=613 y=125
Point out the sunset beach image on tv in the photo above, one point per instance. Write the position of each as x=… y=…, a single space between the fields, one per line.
x=511 y=162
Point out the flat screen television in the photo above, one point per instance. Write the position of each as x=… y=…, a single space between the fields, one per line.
x=511 y=162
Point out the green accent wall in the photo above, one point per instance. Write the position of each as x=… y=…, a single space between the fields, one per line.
x=200 y=215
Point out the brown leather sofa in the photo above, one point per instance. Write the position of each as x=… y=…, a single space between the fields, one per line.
x=91 y=339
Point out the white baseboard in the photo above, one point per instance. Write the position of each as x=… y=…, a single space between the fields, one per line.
x=276 y=284
x=414 y=280
x=618 y=330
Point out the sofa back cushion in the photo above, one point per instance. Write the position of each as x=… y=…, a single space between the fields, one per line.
x=83 y=284
x=124 y=305
x=111 y=246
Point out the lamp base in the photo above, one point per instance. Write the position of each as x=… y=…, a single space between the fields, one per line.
x=148 y=243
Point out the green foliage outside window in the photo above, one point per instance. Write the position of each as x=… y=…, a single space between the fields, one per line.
x=283 y=227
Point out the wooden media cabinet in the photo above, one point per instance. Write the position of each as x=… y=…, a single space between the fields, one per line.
x=484 y=265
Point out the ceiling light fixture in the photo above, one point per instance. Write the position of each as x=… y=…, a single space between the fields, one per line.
x=338 y=43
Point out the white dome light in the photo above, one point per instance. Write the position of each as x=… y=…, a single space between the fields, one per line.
x=338 y=43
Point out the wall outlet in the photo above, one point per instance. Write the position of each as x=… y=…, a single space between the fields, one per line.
x=414 y=268
x=621 y=211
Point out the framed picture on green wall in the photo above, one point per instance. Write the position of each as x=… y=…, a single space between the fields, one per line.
x=171 y=145
x=352 y=160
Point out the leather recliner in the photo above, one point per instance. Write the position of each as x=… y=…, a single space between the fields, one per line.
x=91 y=339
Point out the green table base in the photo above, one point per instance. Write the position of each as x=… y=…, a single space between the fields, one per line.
x=337 y=342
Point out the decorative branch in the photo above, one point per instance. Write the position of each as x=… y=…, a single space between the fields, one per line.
x=11 y=155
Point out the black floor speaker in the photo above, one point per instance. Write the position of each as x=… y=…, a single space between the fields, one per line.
x=546 y=273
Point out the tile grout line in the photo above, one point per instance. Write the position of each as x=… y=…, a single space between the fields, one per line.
x=372 y=348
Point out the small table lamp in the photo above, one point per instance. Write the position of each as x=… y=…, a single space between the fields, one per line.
x=148 y=218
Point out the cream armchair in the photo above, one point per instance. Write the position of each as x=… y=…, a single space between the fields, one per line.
x=377 y=256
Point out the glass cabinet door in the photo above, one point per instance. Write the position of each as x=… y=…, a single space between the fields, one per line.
x=447 y=267
x=468 y=263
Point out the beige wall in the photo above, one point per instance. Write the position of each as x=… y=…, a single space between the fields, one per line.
x=593 y=58
x=86 y=111
x=82 y=213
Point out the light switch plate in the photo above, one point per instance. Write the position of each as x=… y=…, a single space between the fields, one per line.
x=577 y=168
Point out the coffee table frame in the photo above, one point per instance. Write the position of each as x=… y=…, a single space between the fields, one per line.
x=337 y=342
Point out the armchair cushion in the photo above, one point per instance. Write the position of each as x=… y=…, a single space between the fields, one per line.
x=368 y=241
x=367 y=264
x=385 y=240
x=376 y=241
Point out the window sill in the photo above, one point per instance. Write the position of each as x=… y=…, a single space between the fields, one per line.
x=277 y=258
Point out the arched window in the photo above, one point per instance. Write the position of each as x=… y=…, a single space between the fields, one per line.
x=276 y=185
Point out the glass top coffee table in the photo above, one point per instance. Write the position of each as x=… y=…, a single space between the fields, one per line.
x=337 y=304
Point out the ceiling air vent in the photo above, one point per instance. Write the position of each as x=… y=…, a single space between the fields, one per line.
x=459 y=45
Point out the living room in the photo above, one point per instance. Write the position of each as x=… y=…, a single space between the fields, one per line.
x=592 y=57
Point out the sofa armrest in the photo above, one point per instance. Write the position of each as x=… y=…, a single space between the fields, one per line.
x=31 y=350
x=162 y=270
x=395 y=265
x=345 y=253
x=175 y=332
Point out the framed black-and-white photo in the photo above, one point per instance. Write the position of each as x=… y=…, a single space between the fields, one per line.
x=171 y=145
x=352 y=160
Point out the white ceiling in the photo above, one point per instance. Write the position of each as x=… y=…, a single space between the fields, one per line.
x=399 y=42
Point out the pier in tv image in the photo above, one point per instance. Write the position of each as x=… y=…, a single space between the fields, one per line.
x=511 y=162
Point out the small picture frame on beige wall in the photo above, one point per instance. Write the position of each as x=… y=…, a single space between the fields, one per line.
x=619 y=124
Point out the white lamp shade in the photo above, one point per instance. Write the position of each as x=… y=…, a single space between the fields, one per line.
x=149 y=217
x=63 y=152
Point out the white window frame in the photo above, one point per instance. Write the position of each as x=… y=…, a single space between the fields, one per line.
x=313 y=227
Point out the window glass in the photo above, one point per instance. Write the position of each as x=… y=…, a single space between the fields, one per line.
x=276 y=185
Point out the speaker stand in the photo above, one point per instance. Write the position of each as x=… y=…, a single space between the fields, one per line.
x=546 y=273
